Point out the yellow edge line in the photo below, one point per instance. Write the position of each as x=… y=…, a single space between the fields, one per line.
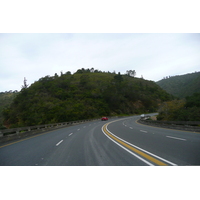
x=134 y=149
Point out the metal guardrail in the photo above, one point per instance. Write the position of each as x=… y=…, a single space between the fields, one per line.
x=191 y=123
x=19 y=130
x=179 y=125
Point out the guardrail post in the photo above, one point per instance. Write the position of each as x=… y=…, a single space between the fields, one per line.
x=1 y=134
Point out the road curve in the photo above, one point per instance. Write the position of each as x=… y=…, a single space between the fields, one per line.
x=116 y=142
x=156 y=146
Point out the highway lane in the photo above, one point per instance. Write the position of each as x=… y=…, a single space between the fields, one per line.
x=176 y=147
x=89 y=144
x=80 y=145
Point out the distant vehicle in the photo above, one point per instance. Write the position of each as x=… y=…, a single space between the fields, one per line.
x=142 y=115
x=104 y=118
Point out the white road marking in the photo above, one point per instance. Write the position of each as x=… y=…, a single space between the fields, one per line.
x=131 y=127
x=59 y=142
x=78 y=129
x=70 y=134
x=176 y=138
x=140 y=158
x=136 y=148
x=143 y=131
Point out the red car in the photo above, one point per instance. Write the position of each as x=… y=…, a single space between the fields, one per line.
x=104 y=118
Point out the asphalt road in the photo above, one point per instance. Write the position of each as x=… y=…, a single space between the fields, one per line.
x=116 y=142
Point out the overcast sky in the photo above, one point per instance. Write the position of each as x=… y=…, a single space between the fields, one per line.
x=152 y=56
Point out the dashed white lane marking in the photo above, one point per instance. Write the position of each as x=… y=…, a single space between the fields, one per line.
x=78 y=129
x=143 y=131
x=59 y=142
x=131 y=127
x=70 y=134
x=176 y=138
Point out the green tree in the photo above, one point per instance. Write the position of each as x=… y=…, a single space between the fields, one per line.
x=167 y=109
x=118 y=77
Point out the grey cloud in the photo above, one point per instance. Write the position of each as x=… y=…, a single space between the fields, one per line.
x=151 y=55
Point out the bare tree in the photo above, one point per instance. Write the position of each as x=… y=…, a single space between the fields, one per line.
x=25 y=84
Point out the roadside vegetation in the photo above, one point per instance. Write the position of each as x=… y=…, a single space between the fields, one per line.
x=187 y=109
x=6 y=98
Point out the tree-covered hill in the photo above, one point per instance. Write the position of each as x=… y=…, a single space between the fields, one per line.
x=83 y=95
x=181 y=86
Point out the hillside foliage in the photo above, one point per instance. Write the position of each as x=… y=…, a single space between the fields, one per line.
x=187 y=109
x=86 y=94
x=6 y=98
x=182 y=85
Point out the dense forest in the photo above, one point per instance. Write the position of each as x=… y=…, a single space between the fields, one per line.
x=86 y=94
x=182 y=85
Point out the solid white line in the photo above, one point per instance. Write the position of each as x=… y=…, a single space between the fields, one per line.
x=176 y=138
x=140 y=158
x=143 y=131
x=70 y=134
x=59 y=142
x=142 y=149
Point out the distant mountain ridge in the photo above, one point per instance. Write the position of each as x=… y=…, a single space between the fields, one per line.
x=181 y=85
